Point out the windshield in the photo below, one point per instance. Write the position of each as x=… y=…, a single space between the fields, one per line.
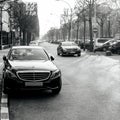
x=69 y=44
x=102 y=40
x=28 y=54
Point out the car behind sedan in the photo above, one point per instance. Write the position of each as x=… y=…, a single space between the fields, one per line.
x=30 y=68
x=34 y=43
x=105 y=46
x=68 y=48
x=115 y=47
x=99 y=42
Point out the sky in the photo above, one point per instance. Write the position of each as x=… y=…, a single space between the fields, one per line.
x=49 y=12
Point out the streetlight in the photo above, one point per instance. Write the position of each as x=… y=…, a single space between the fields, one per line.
x=70 y=34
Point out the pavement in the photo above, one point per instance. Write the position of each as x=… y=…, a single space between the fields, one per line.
x=4 y=114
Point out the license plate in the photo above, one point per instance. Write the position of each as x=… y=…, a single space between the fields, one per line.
x=72 y=52
x=33 y=84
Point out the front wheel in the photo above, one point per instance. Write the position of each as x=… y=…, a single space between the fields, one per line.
x=79 y=54
x=58 y=53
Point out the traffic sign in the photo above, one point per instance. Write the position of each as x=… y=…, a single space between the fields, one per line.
x=95 y=29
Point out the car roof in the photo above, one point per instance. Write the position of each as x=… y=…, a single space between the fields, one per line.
x=68 y=42
x=17 y=47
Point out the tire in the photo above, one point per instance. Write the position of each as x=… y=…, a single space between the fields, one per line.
x=58 y=89
x=79 y=54
x=61 y=54
x=58 y=53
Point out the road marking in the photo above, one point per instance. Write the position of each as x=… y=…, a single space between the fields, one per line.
x=4 y=107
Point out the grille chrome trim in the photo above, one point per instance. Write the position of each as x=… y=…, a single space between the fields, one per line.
x=34 y=75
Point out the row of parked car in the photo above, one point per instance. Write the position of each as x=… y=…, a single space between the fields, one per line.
x=108 y=44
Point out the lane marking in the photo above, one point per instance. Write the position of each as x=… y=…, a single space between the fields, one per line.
x=4 y=110
x=4 y=100
x=4 y=107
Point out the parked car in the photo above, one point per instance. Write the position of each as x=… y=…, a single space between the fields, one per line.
x=30 y=68
x=99 y=42
x=115 y=47
x=34 y=43
x=68 y=48
x=105 y=46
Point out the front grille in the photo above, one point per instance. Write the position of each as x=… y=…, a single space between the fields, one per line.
x=33 y=75
x=72 y=49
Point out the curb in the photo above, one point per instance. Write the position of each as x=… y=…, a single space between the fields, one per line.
x=4 y=107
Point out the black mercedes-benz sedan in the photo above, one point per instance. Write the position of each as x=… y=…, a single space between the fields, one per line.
x=68 y=48
x=30 y=68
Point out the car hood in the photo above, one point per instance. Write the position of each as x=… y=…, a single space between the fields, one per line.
x=33 y=65
x=70 y=47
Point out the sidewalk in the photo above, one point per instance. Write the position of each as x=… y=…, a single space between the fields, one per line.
x=2 y=52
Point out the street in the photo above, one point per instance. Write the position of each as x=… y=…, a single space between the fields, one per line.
x=90 y=91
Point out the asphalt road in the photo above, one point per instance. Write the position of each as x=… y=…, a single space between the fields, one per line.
x=91 y=91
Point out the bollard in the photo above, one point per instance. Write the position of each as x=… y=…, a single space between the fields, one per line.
x=108 y=53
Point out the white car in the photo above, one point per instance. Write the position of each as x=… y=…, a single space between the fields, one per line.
x=34 y=43
x=99 y=42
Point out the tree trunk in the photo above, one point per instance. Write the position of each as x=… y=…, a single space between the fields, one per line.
x=84 y=47
x=90 y=27
x=24 y=37
x=28 y=37
x=109 y=29
x=69 y=30
x=101 y=29
x=77 y=30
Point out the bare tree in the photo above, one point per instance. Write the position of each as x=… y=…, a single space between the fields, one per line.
x=103 y=14
x=89 y=10
x=25 y=18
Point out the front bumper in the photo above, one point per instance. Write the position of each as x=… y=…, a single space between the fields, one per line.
x=17 y=84
x=71 y=52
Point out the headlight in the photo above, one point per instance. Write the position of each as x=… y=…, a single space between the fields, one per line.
x=10 y=74
x=64 y=49
x=55 y=74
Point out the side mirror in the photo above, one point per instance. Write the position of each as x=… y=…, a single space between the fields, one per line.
x=52 y=58
x=4 y=58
